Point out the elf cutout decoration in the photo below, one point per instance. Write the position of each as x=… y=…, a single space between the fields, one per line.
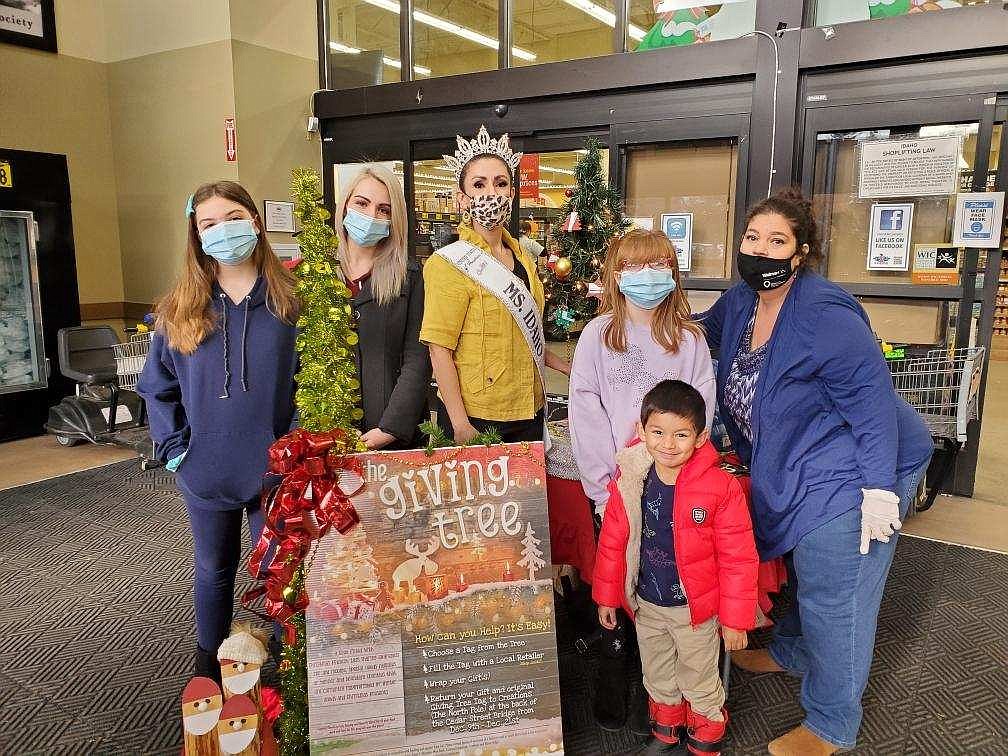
x=677 y=28
x=892 y=8
x=241 y=656
x=238 y=728
x=201 y=709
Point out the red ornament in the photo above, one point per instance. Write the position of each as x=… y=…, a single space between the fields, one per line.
x=573 y=222
x=568 y=192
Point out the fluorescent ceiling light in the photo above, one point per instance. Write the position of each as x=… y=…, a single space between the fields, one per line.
x=564 y=171
x=340 y=47
x=452 y=28
x=605 y=16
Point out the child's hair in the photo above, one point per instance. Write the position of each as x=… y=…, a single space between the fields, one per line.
x=185 y=314
x=670 y=318
x=676 y=397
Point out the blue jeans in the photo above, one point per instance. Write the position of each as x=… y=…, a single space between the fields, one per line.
x=217 y=543
x=828 y=638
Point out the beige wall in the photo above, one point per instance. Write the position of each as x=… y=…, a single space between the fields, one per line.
x=60 y=104
x=168 y=112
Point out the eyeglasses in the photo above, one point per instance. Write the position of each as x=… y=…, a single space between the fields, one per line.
x=630 y=267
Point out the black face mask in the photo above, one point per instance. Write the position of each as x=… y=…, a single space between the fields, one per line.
x=764 y=273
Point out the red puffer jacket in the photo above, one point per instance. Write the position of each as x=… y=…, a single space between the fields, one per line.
x=714 y=548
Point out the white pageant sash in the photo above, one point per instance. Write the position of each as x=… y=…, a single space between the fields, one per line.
x=487 y=271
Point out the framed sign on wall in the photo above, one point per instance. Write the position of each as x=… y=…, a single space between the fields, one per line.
x=29 y=23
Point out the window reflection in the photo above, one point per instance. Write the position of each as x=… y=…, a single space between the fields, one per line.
x=555 y=30
x=454 y=36
x=364 y=45
x=660 y=23
x=842 y=11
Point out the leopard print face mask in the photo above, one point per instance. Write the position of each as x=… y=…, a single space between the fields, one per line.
x=490 y=210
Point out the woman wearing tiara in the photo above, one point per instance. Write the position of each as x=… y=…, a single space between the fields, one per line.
x=483 y=307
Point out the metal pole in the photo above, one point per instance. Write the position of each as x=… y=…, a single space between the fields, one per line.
x=406 y=39
x=505 y=32
x=322 y=16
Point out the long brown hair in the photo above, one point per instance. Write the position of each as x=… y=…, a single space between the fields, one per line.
x=670 y=318
x=185 y=314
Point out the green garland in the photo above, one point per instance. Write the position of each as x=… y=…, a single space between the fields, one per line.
x=327 y=397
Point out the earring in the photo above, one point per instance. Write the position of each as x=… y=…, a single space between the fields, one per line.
x=466 y=218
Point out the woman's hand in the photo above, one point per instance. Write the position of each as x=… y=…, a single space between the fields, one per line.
x=607 y=617
x=376 y=438
x=557 y=363
x=464 y=433
x=734 y=640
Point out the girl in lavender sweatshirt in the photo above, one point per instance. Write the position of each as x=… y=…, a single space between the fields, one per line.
x=643 y=336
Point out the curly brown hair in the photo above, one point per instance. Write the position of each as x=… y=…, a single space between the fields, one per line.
x=797 y=209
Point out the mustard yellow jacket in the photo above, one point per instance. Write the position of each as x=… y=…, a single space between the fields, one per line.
x=495 y=367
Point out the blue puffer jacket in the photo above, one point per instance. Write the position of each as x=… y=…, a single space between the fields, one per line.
x=224 y=404
x=826 y=419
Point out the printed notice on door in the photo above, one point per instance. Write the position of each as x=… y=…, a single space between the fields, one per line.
x=909 y=167
x=431 y=624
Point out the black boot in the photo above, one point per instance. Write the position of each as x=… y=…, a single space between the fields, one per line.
x=206 y=664
x=655 y=747
x=638 y=716
x=610 y=706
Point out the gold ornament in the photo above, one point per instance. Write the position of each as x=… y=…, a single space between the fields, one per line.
x=563 y=268
x=595 y=261
x=289 y=594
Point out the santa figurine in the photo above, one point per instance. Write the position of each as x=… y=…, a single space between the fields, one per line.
x=201 y=708
x=238 y=728
x=241 y=657
x=892 y=8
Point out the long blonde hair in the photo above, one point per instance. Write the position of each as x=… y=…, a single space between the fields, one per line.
x=670 y=318
x=389 y=269
x=185 y=314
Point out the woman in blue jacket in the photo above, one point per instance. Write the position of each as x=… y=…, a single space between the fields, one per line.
x=219 y=387
x=835 y=456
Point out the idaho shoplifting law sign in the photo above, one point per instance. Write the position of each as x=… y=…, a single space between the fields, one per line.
x=908 y=167
x=431 y=624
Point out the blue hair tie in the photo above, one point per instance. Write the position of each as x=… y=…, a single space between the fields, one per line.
x=189 y=205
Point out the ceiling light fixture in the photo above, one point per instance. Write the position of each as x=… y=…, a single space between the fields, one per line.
x=350 y=50
x=452 y=28
x=606 y=17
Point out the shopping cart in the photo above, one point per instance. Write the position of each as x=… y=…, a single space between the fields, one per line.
x=942 y=386
x=130 y=358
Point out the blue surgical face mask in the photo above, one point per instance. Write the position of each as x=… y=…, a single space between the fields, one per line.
x=647 y=288
x=230 y=242
x=365 y=230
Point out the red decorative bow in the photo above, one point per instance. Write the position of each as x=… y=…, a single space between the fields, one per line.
x=307 y=503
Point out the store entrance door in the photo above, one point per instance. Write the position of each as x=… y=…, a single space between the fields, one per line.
x=884 y=176
x=687 y=178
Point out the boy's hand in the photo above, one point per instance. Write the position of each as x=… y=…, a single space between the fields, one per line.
x=607 y=617
x=734 y=640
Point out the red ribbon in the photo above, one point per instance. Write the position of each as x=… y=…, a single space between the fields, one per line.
x=306 y=504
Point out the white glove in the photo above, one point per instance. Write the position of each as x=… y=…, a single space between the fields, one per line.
x=879 y=516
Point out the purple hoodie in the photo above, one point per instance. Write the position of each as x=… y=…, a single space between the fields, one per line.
x=607 y=389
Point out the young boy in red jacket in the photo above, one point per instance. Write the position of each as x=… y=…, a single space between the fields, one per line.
x=676 y=551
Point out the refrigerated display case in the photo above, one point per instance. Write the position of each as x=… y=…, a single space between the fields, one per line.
x=22 y=351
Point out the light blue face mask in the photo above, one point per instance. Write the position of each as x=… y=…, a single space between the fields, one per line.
x=647 y=288
x=365 y=230
x=230 y=242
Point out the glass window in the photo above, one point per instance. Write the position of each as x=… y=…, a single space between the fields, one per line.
x=453 y=36
x=546 y=31
x=364 y=44
x=841 y=11
x=843 y=175
x=546 y=177
x=664 y=23
x=435 y=211
x=655 y=176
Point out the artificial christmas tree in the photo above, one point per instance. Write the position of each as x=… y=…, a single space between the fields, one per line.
x=593 y=216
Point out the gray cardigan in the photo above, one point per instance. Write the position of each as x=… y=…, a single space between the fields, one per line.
x=393 y=366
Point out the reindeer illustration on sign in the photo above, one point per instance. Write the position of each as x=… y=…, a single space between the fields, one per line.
x=410 y=570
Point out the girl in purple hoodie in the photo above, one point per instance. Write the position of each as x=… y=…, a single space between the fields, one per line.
x=643 y=335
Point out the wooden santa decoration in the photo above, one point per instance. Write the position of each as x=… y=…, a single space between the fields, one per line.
x=238 y=728
x=241 y=657
x=201 y=708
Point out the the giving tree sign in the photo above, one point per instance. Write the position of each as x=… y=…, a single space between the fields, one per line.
x=431 y=625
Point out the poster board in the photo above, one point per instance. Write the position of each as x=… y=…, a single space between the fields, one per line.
x=922 y=167
x=889 y=240
x=978 y=217
x=431 y=624
x=936 y=264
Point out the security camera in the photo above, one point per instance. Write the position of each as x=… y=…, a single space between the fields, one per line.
x=501 y=110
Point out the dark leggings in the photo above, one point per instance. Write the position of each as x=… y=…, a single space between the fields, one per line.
x=217 y=545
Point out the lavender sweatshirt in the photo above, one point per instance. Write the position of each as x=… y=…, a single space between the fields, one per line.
x=607 y=389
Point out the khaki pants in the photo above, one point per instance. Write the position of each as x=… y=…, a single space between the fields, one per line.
x=680 y=661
